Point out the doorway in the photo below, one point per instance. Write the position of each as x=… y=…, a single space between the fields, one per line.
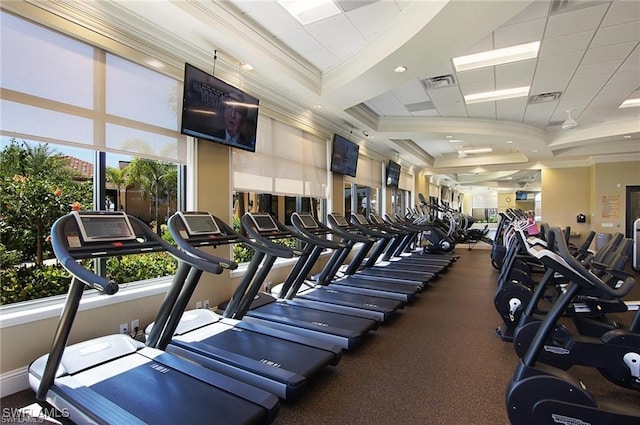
x=632 y=209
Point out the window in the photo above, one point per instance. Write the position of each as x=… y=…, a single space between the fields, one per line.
x=98 y=115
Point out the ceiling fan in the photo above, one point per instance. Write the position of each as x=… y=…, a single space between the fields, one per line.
x=569 y=123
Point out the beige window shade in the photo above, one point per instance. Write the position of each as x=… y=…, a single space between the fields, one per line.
x=287 y=161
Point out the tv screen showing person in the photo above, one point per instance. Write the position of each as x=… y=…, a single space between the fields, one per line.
x=214 y=110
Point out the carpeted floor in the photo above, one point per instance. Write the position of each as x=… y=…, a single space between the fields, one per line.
x=438 y=362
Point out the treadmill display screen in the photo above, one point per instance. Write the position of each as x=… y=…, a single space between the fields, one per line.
x=376 y=218
x=104 y=227
x=340 y=220
x=264 y=222
x=200 y=223
x=361 y=219
x=308 y=221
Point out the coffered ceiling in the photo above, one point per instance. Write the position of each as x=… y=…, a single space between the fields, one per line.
x=337 y=75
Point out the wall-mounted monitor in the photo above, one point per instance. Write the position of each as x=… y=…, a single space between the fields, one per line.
x=393 y=174
x=521 y=195
x=344 y=156
x=216 y=111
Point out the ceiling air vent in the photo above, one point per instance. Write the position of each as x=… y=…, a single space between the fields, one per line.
x=439 y=82
x=420 y=106
x=544 y=97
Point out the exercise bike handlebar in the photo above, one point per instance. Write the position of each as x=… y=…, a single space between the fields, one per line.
x=621 y=289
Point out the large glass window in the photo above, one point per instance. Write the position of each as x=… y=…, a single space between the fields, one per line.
x=63 y=148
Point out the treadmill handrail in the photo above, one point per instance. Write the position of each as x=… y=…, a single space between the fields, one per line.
x=347 y=231
x=263 y=242
x=369 y=230
x=106 y=286
x=314 y=238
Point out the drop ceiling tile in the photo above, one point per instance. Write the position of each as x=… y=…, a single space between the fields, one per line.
x=604 y=54
x=516 y=68
x=596 y=71
x=617 y=34
x=550 y=83
x=575 y=21
x=565 y=63
x=537 y=9
x=410 y=92
x=524 y=32
x=540 y=113
x=335 y=31
x=511 y=109
x=476 y=76
x=270 y=15
x=374 y=18
x=510 y=81
x=388 y=105
x=483 y=45
x=566 y=44
x=479 y=87
x=486 y=110
x=443 y=68
x=621 y=12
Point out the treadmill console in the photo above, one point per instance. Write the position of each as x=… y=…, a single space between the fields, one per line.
x=361 y=219
x=199 y=223
x=264 y=222
x=377 y=219
x=340 y=220
x=308 y=221
x=104 y=227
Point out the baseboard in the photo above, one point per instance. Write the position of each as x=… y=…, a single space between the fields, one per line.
x=14 y=381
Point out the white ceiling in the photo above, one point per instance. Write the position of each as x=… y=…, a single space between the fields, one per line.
x=589 y=53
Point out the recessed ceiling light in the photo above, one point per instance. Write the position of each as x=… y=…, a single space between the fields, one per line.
x=629 y=103
x=449 y=137
x=628 y=136
x=401 y=68
x=497 y=56
x=310 y=11
x=509 y=141
x=247 y=67
x=496 y=95
x=534 y=150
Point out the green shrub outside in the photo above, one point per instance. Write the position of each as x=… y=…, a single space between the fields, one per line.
x=30 y=282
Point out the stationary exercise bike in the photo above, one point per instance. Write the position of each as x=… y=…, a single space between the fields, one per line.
x=543 y=394
x=615 y=352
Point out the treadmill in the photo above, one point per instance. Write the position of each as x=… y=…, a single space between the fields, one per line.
x=314 y=234
x=270 y=359
x=397 y=254
x=414 y=229
x=115 y=379
x=396 y=288
x=253 y=306
x=370 y=267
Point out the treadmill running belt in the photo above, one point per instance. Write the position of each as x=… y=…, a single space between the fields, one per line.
x=341 y=324
x=294 y=357
x=134 y=391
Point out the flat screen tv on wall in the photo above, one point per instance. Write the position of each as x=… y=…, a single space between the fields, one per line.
x=344 y=156
x=521 y=195
x=216 y=111
x=393 y=174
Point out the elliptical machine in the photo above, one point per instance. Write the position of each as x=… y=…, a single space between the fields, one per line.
x=435 y=238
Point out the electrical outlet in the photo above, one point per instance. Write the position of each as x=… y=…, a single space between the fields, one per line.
x=205 y=304
x=135 y=326
x=124 y=328
x=199 y=304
